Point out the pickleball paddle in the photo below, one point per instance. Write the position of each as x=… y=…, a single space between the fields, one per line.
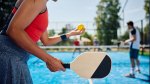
x=91 y=65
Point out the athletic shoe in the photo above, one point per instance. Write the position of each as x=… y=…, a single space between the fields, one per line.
x=130 y=75
x=138 y=70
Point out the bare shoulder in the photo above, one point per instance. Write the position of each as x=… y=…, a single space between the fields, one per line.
x=40 y=4
x=26 y=13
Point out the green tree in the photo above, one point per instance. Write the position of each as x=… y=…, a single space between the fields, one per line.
x=63 y=31
x=107 y=20
x=147 y=27
x=146 y=34
x=67 y=42
x=124 y=37
x=51 y=32
x=86 y=35
x=5 y=9
x=147 y=8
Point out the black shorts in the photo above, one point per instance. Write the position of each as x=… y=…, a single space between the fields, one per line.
x=134 y=53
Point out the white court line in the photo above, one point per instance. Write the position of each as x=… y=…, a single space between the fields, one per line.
x=90 y=81
x=113 y=46
x=106 y=46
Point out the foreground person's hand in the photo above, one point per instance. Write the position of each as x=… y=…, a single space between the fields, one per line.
x=53 y=64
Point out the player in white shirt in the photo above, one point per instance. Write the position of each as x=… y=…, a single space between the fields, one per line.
x=134 y=41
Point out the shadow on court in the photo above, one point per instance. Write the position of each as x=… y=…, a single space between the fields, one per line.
x=147 y=79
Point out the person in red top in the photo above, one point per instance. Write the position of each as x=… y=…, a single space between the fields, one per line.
x=76 y=43
x=26 y=25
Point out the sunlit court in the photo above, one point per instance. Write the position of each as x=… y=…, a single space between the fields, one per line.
x=120 y=66
x=74 y=41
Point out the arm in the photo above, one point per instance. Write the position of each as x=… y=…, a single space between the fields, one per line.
x=133 y=36
x=55 y=39
x=132 y=39
x=50 y=40
x=26 y=13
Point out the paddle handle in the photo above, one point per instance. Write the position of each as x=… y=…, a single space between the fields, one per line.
x=66 y=65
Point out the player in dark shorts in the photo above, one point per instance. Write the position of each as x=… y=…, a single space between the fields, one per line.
x=134 y=42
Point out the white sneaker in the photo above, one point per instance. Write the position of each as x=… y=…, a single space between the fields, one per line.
x=130 y=75
x=138 y=70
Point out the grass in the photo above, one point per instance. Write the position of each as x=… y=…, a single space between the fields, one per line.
x=145 y=53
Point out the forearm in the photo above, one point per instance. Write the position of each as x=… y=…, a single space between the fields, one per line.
x=129 y=40
x=25 y=42
x=55 y=39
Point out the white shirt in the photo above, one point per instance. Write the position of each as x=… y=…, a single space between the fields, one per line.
x=136 y=43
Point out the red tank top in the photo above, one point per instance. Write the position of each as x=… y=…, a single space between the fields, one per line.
x=38 y=26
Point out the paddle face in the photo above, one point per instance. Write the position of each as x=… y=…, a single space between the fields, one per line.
x=92 y=65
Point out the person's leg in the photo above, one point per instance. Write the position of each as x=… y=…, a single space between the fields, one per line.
x=132 y=65
x=74 y=52
x=132 y=61
x=137 y=61
x=131 y=74
x=79 y=50
x=138 y=65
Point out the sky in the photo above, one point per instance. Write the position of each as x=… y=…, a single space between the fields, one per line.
x=75 y=12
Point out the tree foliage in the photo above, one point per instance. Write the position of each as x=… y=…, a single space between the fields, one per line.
x=147 y=27
x=86 y=35
x=5 y=9
x=51 y=32
x=107 y=20
x=147 y=8
x=67 y=42
x=146 y=34
x=124 y=37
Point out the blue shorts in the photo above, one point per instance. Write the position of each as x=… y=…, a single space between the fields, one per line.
x=134 y=53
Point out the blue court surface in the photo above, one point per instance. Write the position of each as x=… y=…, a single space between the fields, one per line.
x=120 y=66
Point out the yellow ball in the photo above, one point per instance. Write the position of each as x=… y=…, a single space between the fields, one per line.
x=81 y=27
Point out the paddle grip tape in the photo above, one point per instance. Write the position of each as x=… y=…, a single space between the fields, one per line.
x=66 y=65
x=63 y=37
